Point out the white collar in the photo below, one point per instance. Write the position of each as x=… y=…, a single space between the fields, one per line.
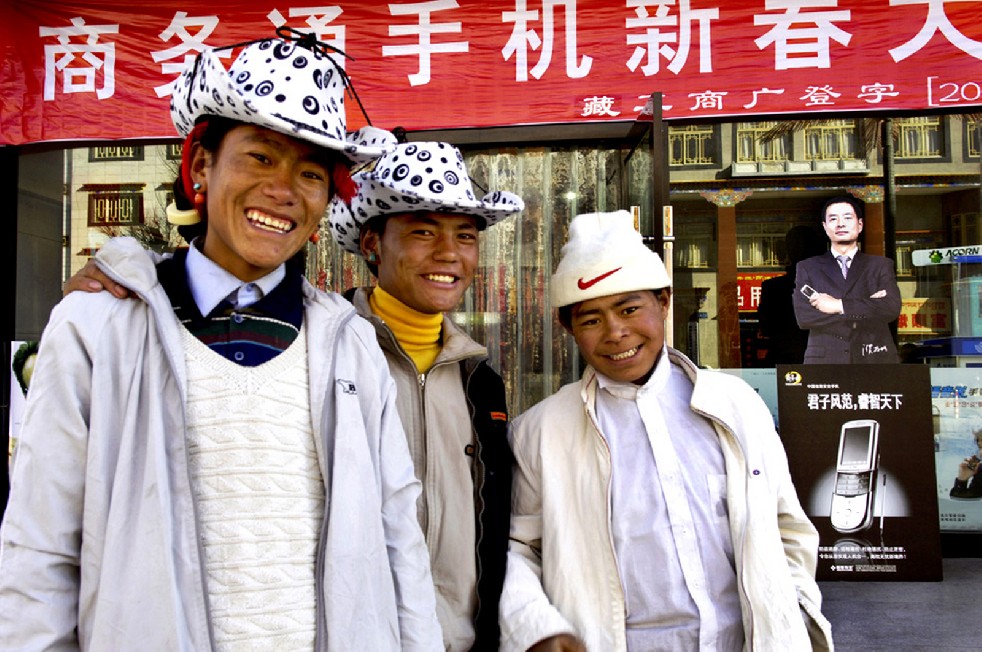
x=848 y=254
x=655 y=383
x=210 y=283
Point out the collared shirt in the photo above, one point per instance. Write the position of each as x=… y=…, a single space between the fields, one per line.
x=848 y=254
x=669 y=516
x=247 y=323
x=210 y=283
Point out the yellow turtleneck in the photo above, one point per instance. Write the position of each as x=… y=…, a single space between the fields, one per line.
x=418 y=333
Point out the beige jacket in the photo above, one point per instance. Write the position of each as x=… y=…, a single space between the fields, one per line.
x=433 y=410
x=562 y=573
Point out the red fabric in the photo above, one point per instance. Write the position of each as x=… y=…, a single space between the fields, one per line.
x=342 y=183
x=98 y=69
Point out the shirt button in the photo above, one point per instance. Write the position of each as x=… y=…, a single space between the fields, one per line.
x=237 y=318
x=239 y=356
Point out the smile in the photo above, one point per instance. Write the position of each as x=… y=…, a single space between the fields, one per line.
x=268 y=222
x=440 y=278
x=630 y=353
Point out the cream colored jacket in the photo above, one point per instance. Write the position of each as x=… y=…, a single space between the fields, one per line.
x=562 y=573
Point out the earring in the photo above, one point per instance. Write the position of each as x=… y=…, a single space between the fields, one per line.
x=372 y=257
x=199 y=197
x=315 y=237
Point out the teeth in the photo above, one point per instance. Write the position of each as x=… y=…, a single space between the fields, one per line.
x=623 y=356
x=440 y=278
x=268 y=222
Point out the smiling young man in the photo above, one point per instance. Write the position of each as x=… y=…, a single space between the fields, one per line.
x=652 y=505
x=416 y=221
x=844 y=298
x=216 y=464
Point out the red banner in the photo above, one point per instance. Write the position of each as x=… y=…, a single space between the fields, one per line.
x=93 y=69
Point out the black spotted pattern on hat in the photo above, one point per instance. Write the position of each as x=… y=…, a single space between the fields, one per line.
x=419 y=176
x=279 y=85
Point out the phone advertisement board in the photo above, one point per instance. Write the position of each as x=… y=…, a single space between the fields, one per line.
x=858 y=440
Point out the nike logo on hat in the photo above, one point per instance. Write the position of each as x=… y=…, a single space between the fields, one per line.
x=585 y=285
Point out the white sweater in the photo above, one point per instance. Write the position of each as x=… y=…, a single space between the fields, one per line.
x=260 y=495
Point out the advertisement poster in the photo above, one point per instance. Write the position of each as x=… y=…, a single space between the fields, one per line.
x=859 y=441
x=956 y=398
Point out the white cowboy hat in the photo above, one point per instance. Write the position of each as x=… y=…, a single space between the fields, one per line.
x=416 y=177
x=289 y=86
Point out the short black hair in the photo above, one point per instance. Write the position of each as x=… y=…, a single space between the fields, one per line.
x=856 y=204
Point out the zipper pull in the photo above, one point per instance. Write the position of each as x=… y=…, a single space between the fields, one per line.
x=422 y=380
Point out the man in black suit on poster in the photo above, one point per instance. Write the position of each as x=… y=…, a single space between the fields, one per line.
x=844 y=298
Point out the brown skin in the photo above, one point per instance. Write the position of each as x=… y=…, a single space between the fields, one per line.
x=266 y=193
x=560 y=643
x=622 y=335
x=425 y=260
x=255 y=172
x=91 y=279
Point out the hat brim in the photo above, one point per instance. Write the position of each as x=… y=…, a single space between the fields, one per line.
x=378 y=198
x=212 y=92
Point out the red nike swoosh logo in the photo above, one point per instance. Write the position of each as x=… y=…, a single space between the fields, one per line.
x=584 y=285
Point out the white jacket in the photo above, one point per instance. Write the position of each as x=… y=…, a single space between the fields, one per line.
x=562 y=571
x=100 y=548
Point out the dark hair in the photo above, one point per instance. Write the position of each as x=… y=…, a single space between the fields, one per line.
x=214 y=132
x=856 y=204
x=377 y=226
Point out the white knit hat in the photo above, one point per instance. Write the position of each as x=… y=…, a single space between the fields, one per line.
x=605 y=255
x=414 y=177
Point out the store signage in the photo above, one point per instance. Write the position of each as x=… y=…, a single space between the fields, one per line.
x=956 y=399
x=748 y=289
x=920 y=316
x=104 y=68
x=944 y=255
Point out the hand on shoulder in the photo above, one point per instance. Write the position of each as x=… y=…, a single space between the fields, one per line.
x=91 y=279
